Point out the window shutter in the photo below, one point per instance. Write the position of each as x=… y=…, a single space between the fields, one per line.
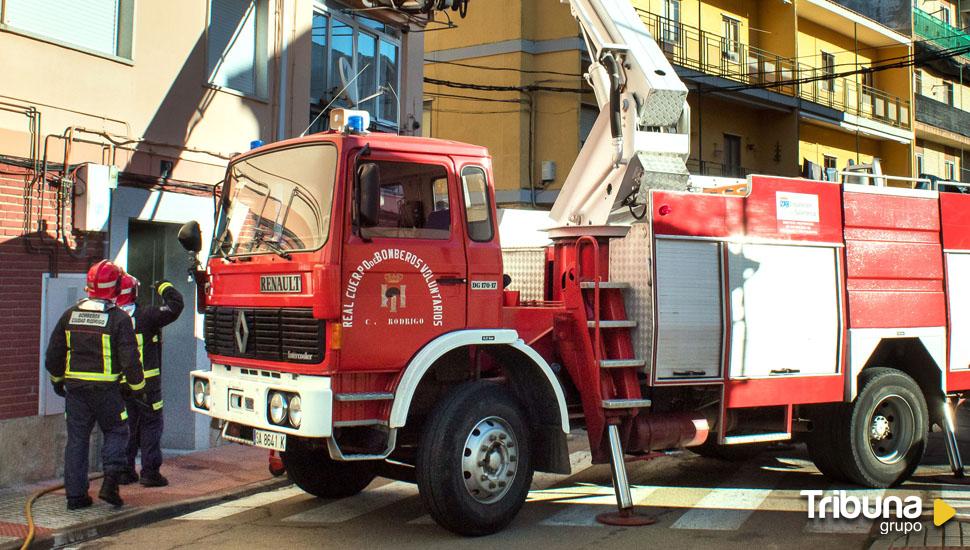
x=91 y=24
x=232 y=44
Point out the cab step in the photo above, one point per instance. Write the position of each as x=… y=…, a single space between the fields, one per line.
x=621 y=363
x=603 y=284
x=612 y=324
x=626 y=403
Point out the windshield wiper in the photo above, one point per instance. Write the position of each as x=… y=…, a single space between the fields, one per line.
x=272 y=246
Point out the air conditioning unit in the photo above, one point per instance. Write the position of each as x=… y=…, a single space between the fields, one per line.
x=92 y=196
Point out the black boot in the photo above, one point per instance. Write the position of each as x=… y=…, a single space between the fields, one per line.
x=76 y=503
x=109 y=490
x=153 y=479
x=127 y=477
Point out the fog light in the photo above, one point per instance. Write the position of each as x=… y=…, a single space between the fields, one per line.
x=277 y=408
x=200 y=393
x=296 y=411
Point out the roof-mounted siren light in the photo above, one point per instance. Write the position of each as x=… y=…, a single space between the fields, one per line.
x=349 y=121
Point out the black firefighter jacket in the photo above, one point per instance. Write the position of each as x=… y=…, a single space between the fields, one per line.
x=94 y=344
x=148 y=321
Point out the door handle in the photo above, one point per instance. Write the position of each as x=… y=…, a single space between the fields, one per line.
x=785 y=371
x=450 y=280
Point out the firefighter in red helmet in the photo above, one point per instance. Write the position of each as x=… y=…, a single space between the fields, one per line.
x=145 y=422
x=91 y=347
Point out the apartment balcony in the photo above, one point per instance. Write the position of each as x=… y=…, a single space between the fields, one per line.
x=752 y=67
x=941 y=34
x=940 y=115
x=708 y=168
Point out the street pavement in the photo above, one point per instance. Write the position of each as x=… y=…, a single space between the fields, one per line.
x=698 y=503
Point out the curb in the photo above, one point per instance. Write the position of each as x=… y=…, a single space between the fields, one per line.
x=143 y=516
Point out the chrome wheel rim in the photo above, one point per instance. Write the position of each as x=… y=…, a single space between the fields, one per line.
x=488 y=460
x=891 y=427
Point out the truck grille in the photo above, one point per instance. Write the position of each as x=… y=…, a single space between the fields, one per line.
x=290 y=335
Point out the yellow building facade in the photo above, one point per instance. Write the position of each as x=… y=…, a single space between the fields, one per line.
x=775 y=88
x=942 y=97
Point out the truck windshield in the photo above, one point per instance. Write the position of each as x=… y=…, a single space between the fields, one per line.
x=277 y=202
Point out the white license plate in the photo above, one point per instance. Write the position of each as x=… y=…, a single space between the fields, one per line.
x=269 y=440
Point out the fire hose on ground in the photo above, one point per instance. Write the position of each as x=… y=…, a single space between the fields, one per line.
x=29 y=510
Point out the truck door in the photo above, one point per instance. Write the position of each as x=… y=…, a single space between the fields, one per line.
x=404 y=275
x=482 y=247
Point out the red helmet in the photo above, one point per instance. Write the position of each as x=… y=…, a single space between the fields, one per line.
x=129 y=290
x=104 y=280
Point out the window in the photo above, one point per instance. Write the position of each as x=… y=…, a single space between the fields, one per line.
x=918 y=81
x=413 y=202
x=945 y=14
x=236 y=45
x=919 y=166
x=477 y=208
x=948 y=92
x=347 y=47
x=949 y=170
x=587 y=117
x=671 y=29
x=427 y=118
x=828 y=69
x=831 y=168
x=101 y=26
x=731 y=40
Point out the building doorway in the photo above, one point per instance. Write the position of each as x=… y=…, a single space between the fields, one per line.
x=155 y=254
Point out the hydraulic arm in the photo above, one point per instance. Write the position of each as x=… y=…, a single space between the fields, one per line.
x=641 y=138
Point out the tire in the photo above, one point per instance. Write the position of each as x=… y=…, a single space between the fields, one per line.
x=891 y=404
x=827 y=424
x=316 y=473
x=476 y=420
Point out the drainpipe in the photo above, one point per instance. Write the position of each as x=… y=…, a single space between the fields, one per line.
x=284 y=46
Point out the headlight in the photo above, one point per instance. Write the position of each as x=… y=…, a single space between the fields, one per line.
x=296 y=411
x=200 y=393
x=277 y=408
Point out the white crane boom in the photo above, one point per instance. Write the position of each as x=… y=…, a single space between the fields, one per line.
x=641 y=138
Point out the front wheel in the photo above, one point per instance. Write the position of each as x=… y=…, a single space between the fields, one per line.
x=474 y=466
x=316 y=473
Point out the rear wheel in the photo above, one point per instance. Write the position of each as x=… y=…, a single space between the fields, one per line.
x=879 y=439
x=316 y=473
x=474 y=462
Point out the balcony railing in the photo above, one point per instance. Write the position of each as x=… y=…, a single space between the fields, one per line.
x=708 y=168
x=942 y=34
x=712 y=54
x=939 y=114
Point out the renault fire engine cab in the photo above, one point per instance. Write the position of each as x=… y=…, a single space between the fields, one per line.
x=358 y=319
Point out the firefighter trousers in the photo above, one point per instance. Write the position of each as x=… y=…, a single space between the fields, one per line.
x=145 y=426
x=85 y=406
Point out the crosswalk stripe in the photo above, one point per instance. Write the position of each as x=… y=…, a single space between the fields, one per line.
x=227 y=509
x=723 y=509
x=584 y=514
x=349 y=508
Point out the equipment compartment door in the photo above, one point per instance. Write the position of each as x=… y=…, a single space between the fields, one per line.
x=404 y=277
x=785 y=310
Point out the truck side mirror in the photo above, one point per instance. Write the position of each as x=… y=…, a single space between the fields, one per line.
x=190 y=237
x=369 y=194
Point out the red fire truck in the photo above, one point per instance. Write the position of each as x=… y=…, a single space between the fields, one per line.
x=358 y=319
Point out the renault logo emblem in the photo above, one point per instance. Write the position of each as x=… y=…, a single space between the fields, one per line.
x=242 y=331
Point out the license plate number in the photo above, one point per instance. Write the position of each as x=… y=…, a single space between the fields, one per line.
x=269 y=440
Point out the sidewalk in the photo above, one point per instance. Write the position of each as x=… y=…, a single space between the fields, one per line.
x=196 y=480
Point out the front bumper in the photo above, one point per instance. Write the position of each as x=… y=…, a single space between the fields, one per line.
x=252 y=386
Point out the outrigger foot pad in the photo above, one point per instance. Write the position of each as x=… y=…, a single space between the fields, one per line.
x=626 y=518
